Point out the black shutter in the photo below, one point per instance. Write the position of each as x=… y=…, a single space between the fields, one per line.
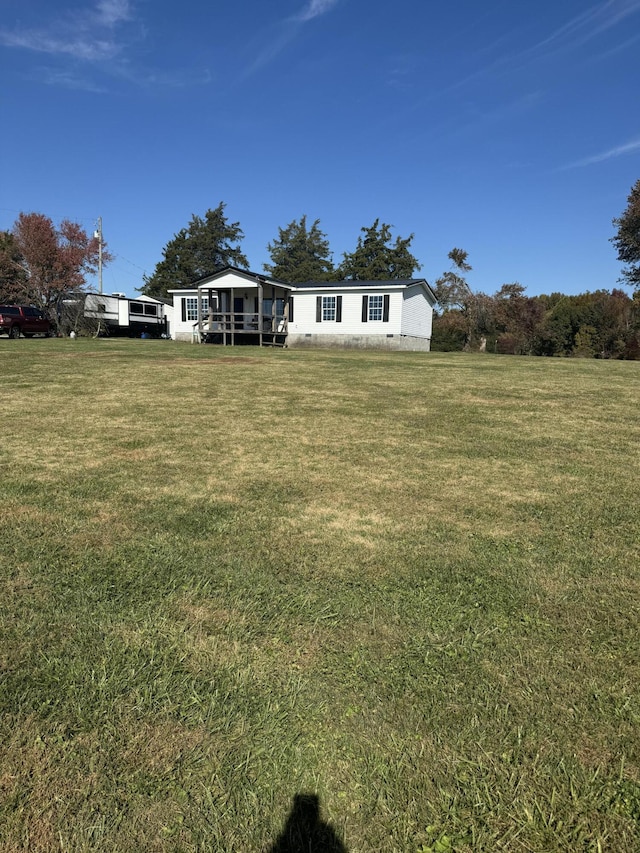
x=291 y=309
x=256 y=304
x=385 y=308
x=365 y=308
x=184 y=309
x=338 y=309
x=318 y=309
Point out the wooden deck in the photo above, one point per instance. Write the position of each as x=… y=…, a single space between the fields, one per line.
x=233 y=328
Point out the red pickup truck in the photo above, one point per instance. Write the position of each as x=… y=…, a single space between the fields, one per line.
x=23 y=319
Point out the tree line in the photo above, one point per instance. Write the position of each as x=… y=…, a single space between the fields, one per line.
x=600 y=324
x=300 y=252
x=41 y=264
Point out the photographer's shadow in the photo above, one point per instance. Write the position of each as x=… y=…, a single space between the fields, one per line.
x=305 y=832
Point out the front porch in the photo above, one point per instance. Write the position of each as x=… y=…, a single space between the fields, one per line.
x=256 y=312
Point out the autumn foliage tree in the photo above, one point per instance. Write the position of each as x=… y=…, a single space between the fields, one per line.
x=12 y=272
x=41 y=264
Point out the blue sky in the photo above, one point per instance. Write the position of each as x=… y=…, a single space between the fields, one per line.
x=511 y=130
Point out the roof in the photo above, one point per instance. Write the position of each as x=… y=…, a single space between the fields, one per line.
x=252 y=279
x=366 y=285
x=354 y=284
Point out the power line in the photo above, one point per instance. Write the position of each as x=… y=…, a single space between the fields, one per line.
x=122 y=258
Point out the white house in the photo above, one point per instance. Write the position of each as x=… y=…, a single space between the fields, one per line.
x=234 y=306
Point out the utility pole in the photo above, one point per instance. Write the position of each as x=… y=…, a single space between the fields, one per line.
x=98 y=236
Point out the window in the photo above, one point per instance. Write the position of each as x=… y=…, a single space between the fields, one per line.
x=136 y=308
x=329 y=309
x=375 y=308
x=191 y=307
x=273 y=307
x=150 y=309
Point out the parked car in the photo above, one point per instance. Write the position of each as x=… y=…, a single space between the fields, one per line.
x=23 y=319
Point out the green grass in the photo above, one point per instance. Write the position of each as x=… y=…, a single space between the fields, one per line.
x=407 y=583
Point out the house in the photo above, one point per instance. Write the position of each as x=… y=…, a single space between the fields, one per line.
x=235 y=306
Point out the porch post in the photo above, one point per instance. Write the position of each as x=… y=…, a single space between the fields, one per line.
x=199 y=314
x=222 y=318
x=260 y=297
x=232 y=317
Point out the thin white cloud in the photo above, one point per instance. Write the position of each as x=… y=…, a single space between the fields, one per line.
x=67 y=80
x=315 y=8
x=100 y=37
x=91 y=50
x=89 y=37
x=284 y=32
x=618 y=151
x=268 y=53
x=574 y=33
x=112 y=12
x=586 y=26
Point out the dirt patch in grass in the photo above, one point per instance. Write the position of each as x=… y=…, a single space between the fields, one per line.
x=233 y=359
x=53 y=783
x=158 y=748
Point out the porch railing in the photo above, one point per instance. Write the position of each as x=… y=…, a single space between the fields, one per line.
x=238 y=322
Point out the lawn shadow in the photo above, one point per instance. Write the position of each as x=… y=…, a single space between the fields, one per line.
x=305 y=832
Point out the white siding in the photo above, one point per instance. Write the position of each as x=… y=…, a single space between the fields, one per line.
x=417 y=313
x=233 y=279
x=182 y=329
x=304 y=314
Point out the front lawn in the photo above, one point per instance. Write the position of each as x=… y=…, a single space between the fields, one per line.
x=405 y=583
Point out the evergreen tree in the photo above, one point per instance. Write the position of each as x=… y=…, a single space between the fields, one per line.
x=627 y=240
x=300 y=253
x=376 y=258
x=205 y=246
